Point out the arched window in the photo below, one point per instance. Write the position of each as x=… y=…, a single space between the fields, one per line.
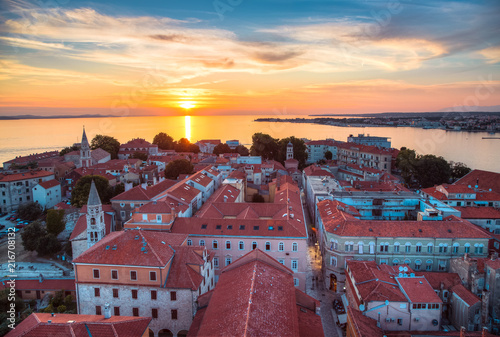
x=372 y=247
x=241 y=245
x=295 y=247
x=395 y=262
x=396 y=247
x=428 y=265
x=430 y=248
x=228 y=244
x=254 y=245
x=418 y=247
x=407 y=247
x=467 y=248
x=92 y=221
x=360 y=247
x=281 y=246
x=407 y=261
x=268 y=246
x=456 y=247
x=215 y=244
x=202 y=242
x=189 y=242
x=418 y=264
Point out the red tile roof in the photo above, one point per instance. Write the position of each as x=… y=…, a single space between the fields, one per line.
x=184 y=192
x=436 y=279
x=248 y=290
x=99 y=154
x=140 y=194
x=225 y=193
x=137 y=143
x=182 y=273
x=201 y=178
x=341 y=223
x=479 y=212
x=362 y=325
x=317 y=171
x=418 y=290
x=465 y=294
x=33 y=157
x=24 y=175
x=494 y=264
x=128 y=249
x=49 y=183
x=486 y=179
x=322 y=142
x=64 y=325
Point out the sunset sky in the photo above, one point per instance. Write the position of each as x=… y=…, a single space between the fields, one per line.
x=173 y=57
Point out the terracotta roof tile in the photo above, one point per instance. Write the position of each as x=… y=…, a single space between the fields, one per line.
x=24 y=175
x=181 y=274
x=465 y=294
x=46 y=284
x=418 y=290
x=49 y=183
x=479 y=212
x=364 y=326
x=486 y=179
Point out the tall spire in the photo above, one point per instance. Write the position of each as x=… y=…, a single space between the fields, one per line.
x=84 y=137
x=85 y=155
x=94 y=199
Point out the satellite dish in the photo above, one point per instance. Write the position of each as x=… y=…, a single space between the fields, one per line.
x=412 y=275
x=400 y=268
x=405 y=268
x=361 y=307
x=386 y=302
x=400 y=274
x=405 y=275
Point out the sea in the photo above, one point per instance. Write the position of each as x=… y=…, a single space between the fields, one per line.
x=27 y=136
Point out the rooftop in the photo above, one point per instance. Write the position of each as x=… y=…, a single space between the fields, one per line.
x=24 y=175
x=484 y=179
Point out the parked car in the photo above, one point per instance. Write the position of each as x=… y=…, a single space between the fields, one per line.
x=2 y=226
x=20 y=225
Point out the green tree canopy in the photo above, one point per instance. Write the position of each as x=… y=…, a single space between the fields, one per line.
x=405 y=163
x=176 y=167
x=30 y=211
x=222 y=148
x=265 y=146
x=56 y=221
x=431 y=170
x=184 y=145
x=31 y=234
x=107 y=143
x=328 y=155
x=164 y=141
x=242 y=150
x=81 y=191
x=48 y=245
x=69 y=149
x=458 y=170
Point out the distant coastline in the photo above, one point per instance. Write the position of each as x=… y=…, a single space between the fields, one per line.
x=54 y=117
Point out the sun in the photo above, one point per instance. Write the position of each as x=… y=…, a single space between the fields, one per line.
x=187 y=105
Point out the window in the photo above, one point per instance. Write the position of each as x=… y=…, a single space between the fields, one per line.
x=133 y=275
x=430 y=248
x=228 y=244
x=98 y=310
x=215 y=244
x=372 y=247
x=400 y=321
x=202 y=242
x=282 y=261
x=396 y=247
x=154 y=313
x=384 y=247
x=189 y=242
x=114 y=274
x=478 y=249
x=174 y=314
x=228 y=260
x=349 y=246
x=135 y=312
x=443 y=249
x=455 y=248
x=467 y=248
x=216 y=262
x=295 y=264
x=153 y=294
x=122 y=214
x=295 y=281
x=97 y=292
x=134 y=294
x=360 y=247
x=96 y=273
x=383 y=261
x=152 y=276
x=173 y=296
x=281 y=246
x=408 y=247
x=115 y=293
x=295 y=247
x=241 y=245
x=418 y=263
x=395 y=262
x=428 y=265
x=333 y=261
x=418 y=248
x=254 y=245
x=268 y=246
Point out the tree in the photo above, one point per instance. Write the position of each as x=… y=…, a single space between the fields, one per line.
x=140 y=155
x=184 y=145
x=107 y=143
x=69 y=149
x=176 y=167
x=258 y=198
x=31 y=234
x=81 y=191
x=222 y=148
x=328 y=155
x=405 y=163
x=242 y=150
x=458 y=170
x=299 y=150
x=30 y=211
x=264 y=145
x=431 y=170
x=55 y=221
x=48 y=245
x=164 y=141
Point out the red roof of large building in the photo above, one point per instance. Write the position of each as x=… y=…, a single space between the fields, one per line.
x=183 y=273
x=465 y=294
x=418 y=290
x=65 y=325
x=484 y=179
x=24 y=175
x=318 y=171
x=362 y=325
x=438 y=279
x=247 y=292
x=33 y=157
x=46 y=284
x=49 y=183
x=479 y=212
x=124 y=248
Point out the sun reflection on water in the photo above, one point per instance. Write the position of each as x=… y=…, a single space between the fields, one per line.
x=187 y=126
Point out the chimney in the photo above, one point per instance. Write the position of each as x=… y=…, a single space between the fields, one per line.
x=225 y=198
x=40 y=278
x=462 y=331
x=494 y=256
x=107 y=310
x=484 y=331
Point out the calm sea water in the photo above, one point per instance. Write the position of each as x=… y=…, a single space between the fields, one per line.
x=23 y=137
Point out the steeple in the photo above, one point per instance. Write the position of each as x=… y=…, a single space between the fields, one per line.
x=85 y=157
x=289 y=151
x=96 y=228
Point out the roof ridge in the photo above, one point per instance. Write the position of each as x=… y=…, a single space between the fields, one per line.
x=252 y=286
x=152 y=249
